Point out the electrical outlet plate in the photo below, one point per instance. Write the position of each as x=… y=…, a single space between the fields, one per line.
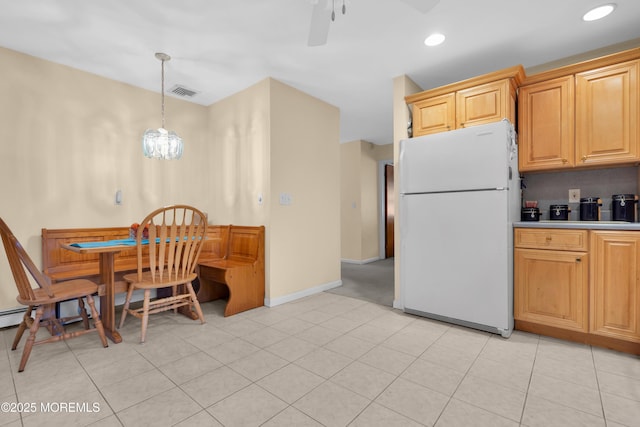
x=574 y=195
x=285 y=199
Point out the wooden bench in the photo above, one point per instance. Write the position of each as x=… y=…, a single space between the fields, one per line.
x=239 y=275
x=61 y=264
x=233 y=257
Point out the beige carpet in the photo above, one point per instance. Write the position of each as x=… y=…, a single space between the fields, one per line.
x=371 y=282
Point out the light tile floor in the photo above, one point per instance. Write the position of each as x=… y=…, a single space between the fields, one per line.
x=326 y=360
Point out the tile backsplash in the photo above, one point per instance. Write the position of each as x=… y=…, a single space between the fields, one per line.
x=553 y=188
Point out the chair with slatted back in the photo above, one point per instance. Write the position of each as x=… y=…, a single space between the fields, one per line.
x=175 y=238
x=44 y=298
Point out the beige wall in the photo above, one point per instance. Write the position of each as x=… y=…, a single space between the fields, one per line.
x=402 y=86
x=237 y=157
x=305 y=163
x=70 y=139
x=350 y=206
x=361 y=199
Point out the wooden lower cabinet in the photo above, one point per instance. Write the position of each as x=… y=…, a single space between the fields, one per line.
x=615 y=292
x=579 y=285
x=552 y=288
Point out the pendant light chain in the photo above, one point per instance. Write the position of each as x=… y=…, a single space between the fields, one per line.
x=162 y=77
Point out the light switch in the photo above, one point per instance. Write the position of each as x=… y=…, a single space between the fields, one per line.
x=285 y=199
x=118 y=197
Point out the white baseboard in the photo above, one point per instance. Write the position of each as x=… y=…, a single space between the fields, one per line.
x=398 y=304
x=11 y=317
x=272 y=302
x=359 y=261
x=68 y=308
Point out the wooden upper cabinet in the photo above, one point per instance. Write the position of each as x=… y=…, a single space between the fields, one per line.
x=583 y=115
x=607 y=115
x=483 y=104
x=615 y=290
x=434 y=115
x=479 y=100
x=545 y=121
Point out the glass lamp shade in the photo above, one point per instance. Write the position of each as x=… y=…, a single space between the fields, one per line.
x=162 y=144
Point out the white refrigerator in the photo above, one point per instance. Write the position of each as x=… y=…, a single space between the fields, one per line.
x=459 y=195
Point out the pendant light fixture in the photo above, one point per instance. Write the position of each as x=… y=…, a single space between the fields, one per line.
x=161 y=143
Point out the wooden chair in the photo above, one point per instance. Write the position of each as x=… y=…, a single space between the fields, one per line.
x=44 y=298
x=175 y=238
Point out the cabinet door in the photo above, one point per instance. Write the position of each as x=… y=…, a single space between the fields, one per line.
x=550 y=288
x=483 y=104
x=546 y=125
x=615 y=293
x=434 y=115
x=607 y=115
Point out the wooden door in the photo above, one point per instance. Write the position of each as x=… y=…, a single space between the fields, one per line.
x=615 y=292
x=550 y=288
x=434 y=115
x=389 y=211
x=483 y=104
x=546 y=125
x=607 y=115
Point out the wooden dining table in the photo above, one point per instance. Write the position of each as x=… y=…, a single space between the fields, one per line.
x=107 y=256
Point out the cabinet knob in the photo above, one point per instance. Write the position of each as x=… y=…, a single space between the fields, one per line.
x=564 y=160
x=578 y=260
x=461 y=125
x=584 y=158
x=548 y=238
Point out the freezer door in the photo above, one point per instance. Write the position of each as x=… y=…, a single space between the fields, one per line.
x=477 y=157
x=456 y=259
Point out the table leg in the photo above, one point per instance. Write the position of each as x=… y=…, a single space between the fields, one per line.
x=108 y=300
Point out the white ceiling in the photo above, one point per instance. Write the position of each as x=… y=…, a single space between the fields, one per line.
x=221 y=47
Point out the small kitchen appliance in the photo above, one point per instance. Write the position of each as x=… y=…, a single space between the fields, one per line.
x=623 y=207
x=559 y=212
x=530 y=214
x=590 y=208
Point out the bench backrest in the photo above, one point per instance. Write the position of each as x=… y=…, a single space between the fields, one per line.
x=246 y=243
x=62 y=264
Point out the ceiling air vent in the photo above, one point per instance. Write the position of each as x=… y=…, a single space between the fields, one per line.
x=182 y=91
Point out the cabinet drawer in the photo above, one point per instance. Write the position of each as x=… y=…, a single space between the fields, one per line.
x=548 y=238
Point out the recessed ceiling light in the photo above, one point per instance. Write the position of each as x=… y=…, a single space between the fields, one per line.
x=599 y=12
x=434 y=39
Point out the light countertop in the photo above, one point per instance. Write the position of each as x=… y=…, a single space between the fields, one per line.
x=584 y=225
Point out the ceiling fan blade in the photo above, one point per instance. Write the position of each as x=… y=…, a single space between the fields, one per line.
x=423 y=6
x=320 y=20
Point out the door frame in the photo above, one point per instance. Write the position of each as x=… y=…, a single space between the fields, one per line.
x=381 y=207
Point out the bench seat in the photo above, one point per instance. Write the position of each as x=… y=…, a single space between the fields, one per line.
x=238 y=276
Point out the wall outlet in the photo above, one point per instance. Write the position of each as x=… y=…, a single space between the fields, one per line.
x=574 y=195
